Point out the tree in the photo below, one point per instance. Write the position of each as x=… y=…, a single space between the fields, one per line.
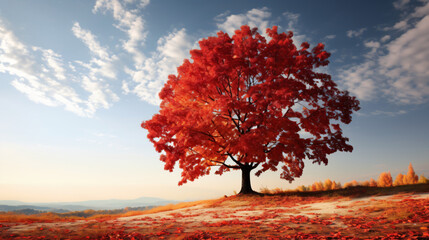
x=302 y=188
x=317 y=186
x=411 y=177
x=385 y=180
x=399 y=180
x=327 y=185
x=372 y=183
x=365 y=183
x=351 y=184
x=245 y=102
x=422 y=179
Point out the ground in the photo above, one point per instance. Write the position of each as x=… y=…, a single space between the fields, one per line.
x=356 y=213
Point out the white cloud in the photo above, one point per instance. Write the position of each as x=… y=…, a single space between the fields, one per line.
x=407 y=65
x=387 y=113
x=383 y=113
x=421 y=11
x=400 y=72
x=385 y=38
x=130 y=22
x=149 y=79
x=90 y=41
x=140 y=3
x=293 y=20
x=372 y=44
x=374 y=47
x=125 y=87
x=101 y=63
x=330 y=36
x=400 y=4
x=100 y=94
x=401 y=25
x=148 y=73
x=254 y=18
x=33 y=78
x=259 y=18
x=359 y=80
x=33 y=93
x=144 y=3
x=355 y=33
x=42 y=76
x=15 y=57
x=54 y=61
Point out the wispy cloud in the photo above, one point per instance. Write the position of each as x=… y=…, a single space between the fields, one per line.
x=54 y=61
x=101 y=66
x=387 y=113
x=101 y=63
x=90 y=41
x=42 y=75
x=128 y=21
x=382 y=113
x=385 y=38
x=397 y=69
x=355 y=33
x=359 y=80
x=406 y=65
x=374 y=46
x=149 y=71
x=292 y=19
x=254 y=18
x=261 y=19
x=41 y=78
x=400 y=4
x=149 y=79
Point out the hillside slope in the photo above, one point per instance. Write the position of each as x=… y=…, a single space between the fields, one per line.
x=355 y=213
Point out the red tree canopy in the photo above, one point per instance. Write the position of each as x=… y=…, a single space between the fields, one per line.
x=246 y=102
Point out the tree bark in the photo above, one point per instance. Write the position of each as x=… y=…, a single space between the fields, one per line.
x=246 y=187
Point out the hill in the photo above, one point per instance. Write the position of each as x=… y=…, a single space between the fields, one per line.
x=59 y=207
x=352 y=213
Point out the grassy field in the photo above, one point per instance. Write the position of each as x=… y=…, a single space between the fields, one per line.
x=353 y=213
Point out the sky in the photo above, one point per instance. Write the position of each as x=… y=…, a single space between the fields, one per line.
x=77 y=78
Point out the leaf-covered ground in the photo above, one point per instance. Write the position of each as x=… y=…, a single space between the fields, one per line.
x=400 y=215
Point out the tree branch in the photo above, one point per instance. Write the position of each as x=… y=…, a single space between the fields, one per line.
x=234 y=160
x=255 y=166
x=226 y=165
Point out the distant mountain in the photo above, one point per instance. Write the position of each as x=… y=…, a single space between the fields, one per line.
x=7 y=205
x=29 y=209
x=6 y=208
x=11 y=202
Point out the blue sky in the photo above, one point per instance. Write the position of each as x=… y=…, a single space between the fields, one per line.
x=78 y=77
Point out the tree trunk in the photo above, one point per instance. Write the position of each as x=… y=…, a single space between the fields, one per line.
x=246 y=188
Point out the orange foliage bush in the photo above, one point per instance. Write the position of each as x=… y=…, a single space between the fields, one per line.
x=351 y=184
x=399 y=180
x=422 y=179
x=317 y=186
x=372 y=183
x=328 y=184
x=385 y=180
x=365 y=184
x=411 y=177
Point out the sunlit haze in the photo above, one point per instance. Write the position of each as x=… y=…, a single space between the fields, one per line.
x=78 y=78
